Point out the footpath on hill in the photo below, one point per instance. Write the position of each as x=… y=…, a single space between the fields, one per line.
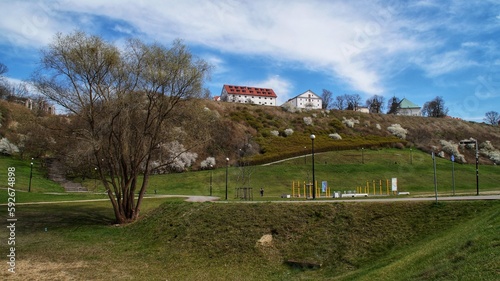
x=57 y=174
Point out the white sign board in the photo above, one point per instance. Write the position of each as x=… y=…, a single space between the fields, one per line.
x=324 y=186
x=394 y=184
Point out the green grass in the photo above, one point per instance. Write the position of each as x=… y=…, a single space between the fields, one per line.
x=343 y=170
x=207 y=241
x=39 y=178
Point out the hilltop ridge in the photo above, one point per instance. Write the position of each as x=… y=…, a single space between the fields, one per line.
x=260 y=134
x=264 y=133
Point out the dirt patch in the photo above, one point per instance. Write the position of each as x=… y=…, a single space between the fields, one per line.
x=41 y=271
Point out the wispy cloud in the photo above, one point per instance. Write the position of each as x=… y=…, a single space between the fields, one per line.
x=361 y=45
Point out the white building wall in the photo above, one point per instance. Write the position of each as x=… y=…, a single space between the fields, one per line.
x=270 y=101
x=307 y=100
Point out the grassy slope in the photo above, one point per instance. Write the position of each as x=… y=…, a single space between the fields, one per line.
x=342 y=170
x=187 y=241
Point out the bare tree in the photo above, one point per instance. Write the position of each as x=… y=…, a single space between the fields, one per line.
x=353 y=101
x=492 y=117
x=4 y=85
x=327 y=99
x=375 y=104
x=124 y=102
x=3 y=69
x=340 y=102
x=435 y=108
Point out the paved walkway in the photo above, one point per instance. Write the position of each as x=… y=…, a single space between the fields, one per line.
x=192 y=198
x=189 y=198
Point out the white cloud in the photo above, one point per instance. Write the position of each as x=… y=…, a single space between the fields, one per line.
x=446 y=62
x=308 y=33
x=359 y=43
x=30 y=24
x=282 y=87
x=470 y=44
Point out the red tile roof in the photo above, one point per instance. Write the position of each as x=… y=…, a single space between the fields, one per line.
x=251 y=91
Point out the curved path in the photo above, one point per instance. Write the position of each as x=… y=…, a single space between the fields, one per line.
x=193 y=198
x=189 y=198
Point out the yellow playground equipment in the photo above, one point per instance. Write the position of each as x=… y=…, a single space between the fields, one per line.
x=306 y=190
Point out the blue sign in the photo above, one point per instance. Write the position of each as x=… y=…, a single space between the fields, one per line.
x=452 y=158
x=324 y=186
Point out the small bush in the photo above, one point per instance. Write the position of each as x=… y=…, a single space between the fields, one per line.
x=275 y=133
x=350 y=122
x=288 y=132
x=308 y=121
x=489 y=151
x=6 y=147
x=398 y=131
x=335 y=136
x=378 y=126
x=399 y=145
x=452 y=149
x=208 y=163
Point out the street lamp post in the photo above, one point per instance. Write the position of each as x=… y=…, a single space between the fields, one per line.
x=411 y=157
x=474 y=141
x=211 y=174
x=305 y=156
x=227 y=166
x=31 y=174
x=453 y=172
x=435 y=176
x=362 y=155
x=314 y=179
x=95 y=179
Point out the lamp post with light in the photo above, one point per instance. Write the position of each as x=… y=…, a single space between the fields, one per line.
x=211 y=174
x=314 y=179
x=31 y=174
x=227 y=166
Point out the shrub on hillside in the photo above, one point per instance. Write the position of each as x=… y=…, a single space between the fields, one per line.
x=275 y=133
x=288 y=132
x=208 y=163
x=350 y=122
x=398 y=131
x=289 y=108
x=178 y=159
x=6 y=147
x=308 y=121
x=451 y=148
x=335 y=136
x=378 y=127
x=487 y=149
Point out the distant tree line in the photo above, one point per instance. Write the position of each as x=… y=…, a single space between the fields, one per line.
x=376 y=104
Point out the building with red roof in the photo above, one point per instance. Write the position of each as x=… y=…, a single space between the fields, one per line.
x=249 y=95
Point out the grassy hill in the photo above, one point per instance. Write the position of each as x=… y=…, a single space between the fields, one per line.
x=266 y=241
x=251 y=127
x=289 y=240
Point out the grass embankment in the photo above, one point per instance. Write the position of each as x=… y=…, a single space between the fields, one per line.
x=343 y=170
x=187 y=241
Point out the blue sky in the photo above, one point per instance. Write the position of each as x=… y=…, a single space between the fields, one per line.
x=413 y=49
